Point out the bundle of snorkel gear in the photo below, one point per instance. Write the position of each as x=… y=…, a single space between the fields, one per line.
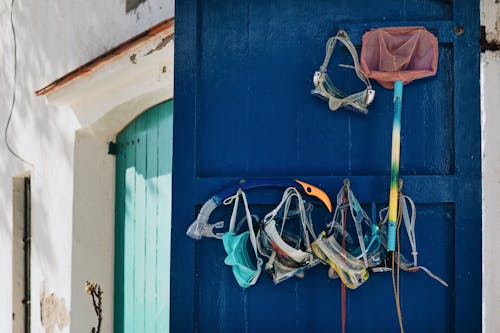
x=285 y=244
x=353 y=245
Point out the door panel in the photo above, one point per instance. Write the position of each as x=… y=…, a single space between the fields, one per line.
x=243 y=76
x=143 y=213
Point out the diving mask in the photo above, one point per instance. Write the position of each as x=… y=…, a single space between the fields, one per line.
x=324 y=87
x=350 y=263
x=235 y=245
x=350 y=270
x=289 y=254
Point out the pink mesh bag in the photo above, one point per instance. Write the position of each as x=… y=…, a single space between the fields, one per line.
x=399 y=53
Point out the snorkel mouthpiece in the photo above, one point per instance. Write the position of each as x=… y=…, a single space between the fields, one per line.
x=200 y=227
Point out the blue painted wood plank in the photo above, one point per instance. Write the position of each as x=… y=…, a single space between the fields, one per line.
x=291 y=152
x=368 y=188
x=183 y=256
x=467 y=295
x=443 y=30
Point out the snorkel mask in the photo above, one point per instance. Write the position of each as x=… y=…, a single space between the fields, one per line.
x=324 y=87
x=289 y=254
x=349 y=263
x=235 y=245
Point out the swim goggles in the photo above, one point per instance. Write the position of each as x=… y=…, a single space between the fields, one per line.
x=350 y=263
x=289 y=252
x=324 y=87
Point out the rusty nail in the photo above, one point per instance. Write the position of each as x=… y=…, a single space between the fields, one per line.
x=459 y=30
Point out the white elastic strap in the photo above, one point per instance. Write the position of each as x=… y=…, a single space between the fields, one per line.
x=410 y=225
x=236 y=198
x=250 y=225
x=358 y=220
x=272 y=214
x=410 y=228
x=288 y=195
x=383 y=218
x=338 y=210
x=435 y=277
x=243 y=221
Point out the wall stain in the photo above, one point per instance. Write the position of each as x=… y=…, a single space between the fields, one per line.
x=53 y=312
x=162 y=44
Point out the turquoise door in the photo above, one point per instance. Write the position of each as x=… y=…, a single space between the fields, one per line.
x=142 y=227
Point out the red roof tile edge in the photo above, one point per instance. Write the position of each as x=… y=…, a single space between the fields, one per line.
x=117 y=50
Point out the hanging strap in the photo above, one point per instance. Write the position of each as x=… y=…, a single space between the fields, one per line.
x=358 y=215
x=343 y=37
x=236 y=198
x=409 y=218
x=410 y=225
x=337 y=221
x=286 y=199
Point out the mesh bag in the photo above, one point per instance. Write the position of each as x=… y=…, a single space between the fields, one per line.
x=399 y=53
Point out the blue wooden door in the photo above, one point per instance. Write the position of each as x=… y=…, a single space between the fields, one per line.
x=243 y=73
x=142 y=227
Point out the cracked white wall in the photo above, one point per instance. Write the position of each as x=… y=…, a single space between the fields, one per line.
x=52 y=39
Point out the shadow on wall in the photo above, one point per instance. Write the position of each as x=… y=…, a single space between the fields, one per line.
x=35 y=134
x=133 y=4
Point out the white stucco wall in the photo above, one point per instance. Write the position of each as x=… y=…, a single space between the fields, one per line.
x=490 y=145
x=490 y=119
x=52 y=39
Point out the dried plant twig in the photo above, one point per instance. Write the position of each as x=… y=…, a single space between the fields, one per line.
x=94 y=290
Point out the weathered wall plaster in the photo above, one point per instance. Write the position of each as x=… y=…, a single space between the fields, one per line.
x=490 y=18
x=52 y=39
x=53 y=312
x=490 y=145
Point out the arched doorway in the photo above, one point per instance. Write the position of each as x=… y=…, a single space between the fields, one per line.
x=143 y=222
